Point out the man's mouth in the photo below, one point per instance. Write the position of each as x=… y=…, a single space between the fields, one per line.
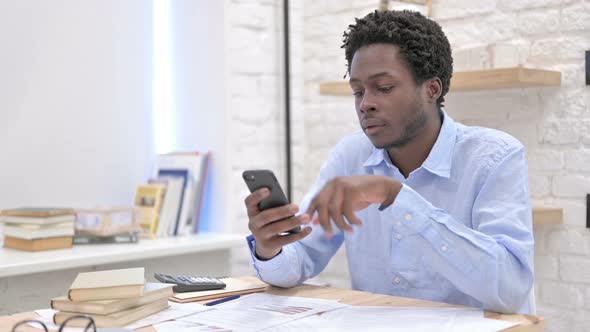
x=372 y=126
x=372 y=130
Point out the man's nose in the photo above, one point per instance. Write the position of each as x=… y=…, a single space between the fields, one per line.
x=367 y=103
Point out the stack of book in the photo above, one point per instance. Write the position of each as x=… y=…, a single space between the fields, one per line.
x=113 y=298
x=192 y=167
x=38 y=228
x=171 y=203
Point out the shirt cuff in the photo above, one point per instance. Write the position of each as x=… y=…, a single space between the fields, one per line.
x=410 y=212
x=272 y=264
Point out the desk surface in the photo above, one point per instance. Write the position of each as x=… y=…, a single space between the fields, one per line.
x=527 y=323
x=16 y=262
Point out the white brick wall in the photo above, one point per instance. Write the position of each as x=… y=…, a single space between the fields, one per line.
x=256 y=82
x=552 y=122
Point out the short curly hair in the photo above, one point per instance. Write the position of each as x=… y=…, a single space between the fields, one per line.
x=421 y=42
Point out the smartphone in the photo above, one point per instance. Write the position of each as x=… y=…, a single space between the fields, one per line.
x=264 y=178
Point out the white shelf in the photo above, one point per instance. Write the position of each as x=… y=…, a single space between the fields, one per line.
x=15 y=262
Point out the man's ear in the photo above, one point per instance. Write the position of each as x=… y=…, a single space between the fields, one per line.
x=433 y=88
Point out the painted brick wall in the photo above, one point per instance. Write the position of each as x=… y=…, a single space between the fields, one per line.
x=552 y=122
x=256 y=83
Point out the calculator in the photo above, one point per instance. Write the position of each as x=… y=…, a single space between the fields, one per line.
x=190 y=283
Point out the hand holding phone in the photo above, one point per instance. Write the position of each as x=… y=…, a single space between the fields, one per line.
x=271 y=217
x=258 y=179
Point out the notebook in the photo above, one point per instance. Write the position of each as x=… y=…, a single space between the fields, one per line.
x=152 y=291
x=120 y=318
x=233 y=286
x=107 y=285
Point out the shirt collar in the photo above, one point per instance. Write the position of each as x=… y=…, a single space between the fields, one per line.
x=439 y=159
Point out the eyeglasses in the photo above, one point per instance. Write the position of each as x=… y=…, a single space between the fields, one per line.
x=90 y=326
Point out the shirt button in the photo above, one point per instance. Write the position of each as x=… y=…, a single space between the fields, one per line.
x=398 y=236
x=397 y=280
x=408 y=217
x=443 y=248
x=398 y=223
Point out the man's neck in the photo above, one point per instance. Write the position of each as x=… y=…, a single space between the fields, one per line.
x=412 y=155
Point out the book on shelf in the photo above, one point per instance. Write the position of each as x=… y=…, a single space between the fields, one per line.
x=148 y=201
x=116 y=319
x=176 y=181
x=38 y=244
x=195 y=163
x=37 y=215
x=233 y=286
x=106 y=220
x=39 y=231
x=42 y=212
x=202 y=185
x=151 y=292
x=130 y=237
x=107 y=285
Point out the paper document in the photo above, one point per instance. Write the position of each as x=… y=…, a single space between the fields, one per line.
x=256 y=312
x=175 y=311
x=179 y=326
x=379 y=318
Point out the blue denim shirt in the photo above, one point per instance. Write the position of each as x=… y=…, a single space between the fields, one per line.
x=460 y=230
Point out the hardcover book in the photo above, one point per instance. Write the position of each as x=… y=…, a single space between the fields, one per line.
x=36 y=231
x=152 y=291
x=37 y=215
x=175 y=195
x=108 y=285
x=193 y=163
x=42 y=212
x=148 y=201
x=38 y=244
x=120 y=318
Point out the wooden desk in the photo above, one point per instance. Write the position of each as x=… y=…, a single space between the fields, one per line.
x=527 y=323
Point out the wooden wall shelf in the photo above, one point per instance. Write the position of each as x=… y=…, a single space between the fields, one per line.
x=504 y=78
x=547 y=216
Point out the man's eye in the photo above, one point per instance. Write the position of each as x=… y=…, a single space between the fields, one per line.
x=357 y=93
x=385 y=88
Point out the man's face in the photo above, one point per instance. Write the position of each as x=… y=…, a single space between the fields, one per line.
x=388 y=102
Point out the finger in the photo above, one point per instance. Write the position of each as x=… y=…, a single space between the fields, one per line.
x=318 y=210
x=304 y=218
x=271 y=215
x=311 y=210
x=335 y=211
x=254 y=199
x=281 y=226
x=350 y=216
x=323 y=218
x=282 y=240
